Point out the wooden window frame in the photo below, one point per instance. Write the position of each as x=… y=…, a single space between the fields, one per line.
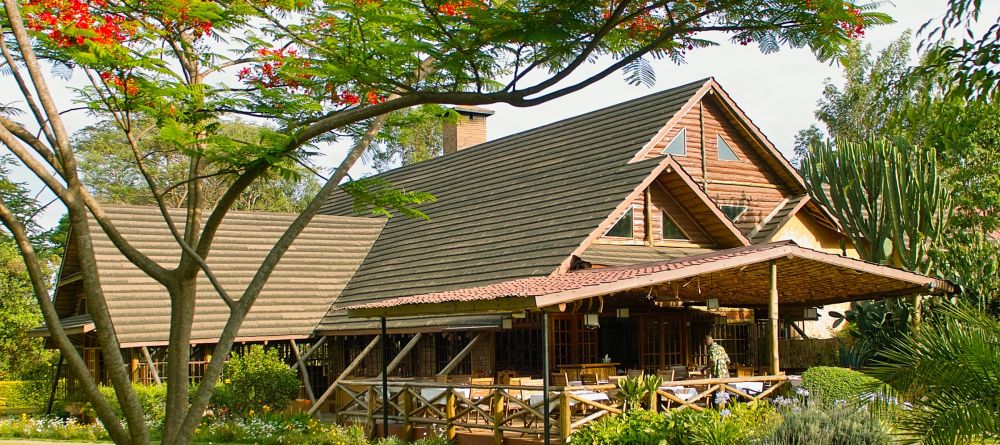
x=719 y=142
x=738 y=215
x=680 y=134
x=631 y=210
x=663 y=227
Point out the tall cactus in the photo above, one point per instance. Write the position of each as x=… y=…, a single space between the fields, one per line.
x=887 y=195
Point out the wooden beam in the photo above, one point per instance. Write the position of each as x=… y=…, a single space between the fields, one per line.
x=152 y=367
x=501 y=305
x=305 y=373
x=309 y=352
x=647 y=215
x=343 y=375
x=704 y=157
x=796 y=327
x=402 y=353
x=772 y=318
x=71 y=278
x=461 y=356
x=742 y=183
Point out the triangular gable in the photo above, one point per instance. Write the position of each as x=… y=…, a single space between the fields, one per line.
x=711 y=88
x=671 y=176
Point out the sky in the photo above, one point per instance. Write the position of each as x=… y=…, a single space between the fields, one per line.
x=777 y=91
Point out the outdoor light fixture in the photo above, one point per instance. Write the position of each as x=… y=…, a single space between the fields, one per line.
x=622 y=312
x=810 y=313
x=507 y=323
x=590 y=321
x=518 y=314
x=712 y=303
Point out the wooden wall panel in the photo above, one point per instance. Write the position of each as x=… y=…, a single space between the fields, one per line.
x=664 y=202
x=739 y=178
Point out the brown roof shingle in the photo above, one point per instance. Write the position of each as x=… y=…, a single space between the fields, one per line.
x=514 y=207
x=300 y=291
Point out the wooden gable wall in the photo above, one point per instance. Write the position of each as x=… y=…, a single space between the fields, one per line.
x=750 y=182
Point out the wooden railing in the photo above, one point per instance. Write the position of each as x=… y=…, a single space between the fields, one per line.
x=499 y=409
x=707 y=391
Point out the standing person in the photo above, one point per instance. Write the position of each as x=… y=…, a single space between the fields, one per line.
x=718 y=360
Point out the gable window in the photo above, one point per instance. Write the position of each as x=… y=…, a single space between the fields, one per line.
x=622 y=228
x=726 y=152
x=733 y=212
x=670 y=229
x=678 y=146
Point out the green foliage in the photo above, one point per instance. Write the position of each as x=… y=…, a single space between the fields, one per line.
x=886 y=194
x=24 y=394
x=381 y=198
x=49 y=428
x=740 y=424
x=112 y=174
x=972 y=260
x=296 y=429
x=950 y=372
x=258 y=380
x=873 y=325
x=816 y=424
x=410 y=136
x=635 y=391
x=837 y=385
x=152 y=399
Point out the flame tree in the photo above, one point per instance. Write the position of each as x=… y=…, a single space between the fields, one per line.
x=312 y=72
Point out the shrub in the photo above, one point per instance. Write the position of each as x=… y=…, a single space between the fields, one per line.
x=636 y=427
x=818 y=424
x=24 y=394
x=832 y=384
x=152 y=400
x=258 y=381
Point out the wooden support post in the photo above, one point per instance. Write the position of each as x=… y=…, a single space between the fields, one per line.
x=302 y=370
x=370 y=410
x=449 y=412
x=385 y=380
x=344 y=374
x=565 y=417
x=772 y=318
x=407 y=410
x=546 y=420
x=152 y=367
x=498 y=415
x=403 y=353
x=461 y=356
x=133 y=366
x=654 y=401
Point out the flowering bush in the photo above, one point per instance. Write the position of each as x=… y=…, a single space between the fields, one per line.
x=809 y=422
x=738 y=424
x=52 y=428
x=297 y=429
x=152 y=399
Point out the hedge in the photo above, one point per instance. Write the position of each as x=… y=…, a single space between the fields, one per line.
x=23 y=394
x=832 y=384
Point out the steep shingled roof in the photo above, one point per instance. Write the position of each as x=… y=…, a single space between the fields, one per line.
x=301 y=289
x=511 y=208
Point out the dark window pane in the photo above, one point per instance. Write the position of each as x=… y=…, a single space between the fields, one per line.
x=622 y=228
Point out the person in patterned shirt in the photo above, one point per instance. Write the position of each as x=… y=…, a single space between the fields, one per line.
x=718 y=360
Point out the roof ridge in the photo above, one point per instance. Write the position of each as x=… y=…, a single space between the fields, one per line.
x=525 y=133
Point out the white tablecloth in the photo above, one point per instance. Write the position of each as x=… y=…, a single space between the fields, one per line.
x=430 y=393
x=682 y=392
x=750 y=388
x=593 y=396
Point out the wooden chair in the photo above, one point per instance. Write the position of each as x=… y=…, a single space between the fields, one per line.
x=481 y=396
x=503 y=377
x=666 y=374
x=634 y=372
x=745 y=371
x=527 y=418
x=588 y=378
x=680 y=372
x=559 y=379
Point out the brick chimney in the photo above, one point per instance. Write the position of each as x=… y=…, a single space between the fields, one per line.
x=469 y=130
